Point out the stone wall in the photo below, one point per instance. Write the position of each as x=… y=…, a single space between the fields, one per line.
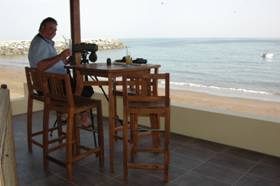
x=11 y=48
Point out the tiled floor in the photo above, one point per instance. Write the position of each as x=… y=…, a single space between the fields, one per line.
x=193 y=163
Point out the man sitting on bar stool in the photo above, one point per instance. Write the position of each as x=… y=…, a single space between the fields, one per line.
x=43 y=55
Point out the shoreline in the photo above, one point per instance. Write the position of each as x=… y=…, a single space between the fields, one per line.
x=14 y=77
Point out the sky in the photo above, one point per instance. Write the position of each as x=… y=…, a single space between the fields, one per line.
x=144 y=18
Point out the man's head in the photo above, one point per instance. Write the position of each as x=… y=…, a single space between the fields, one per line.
x=48 y=28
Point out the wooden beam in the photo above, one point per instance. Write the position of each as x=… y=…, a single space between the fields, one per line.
x=75 y=26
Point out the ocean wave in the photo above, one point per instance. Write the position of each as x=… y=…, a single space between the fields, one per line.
x=217 y=88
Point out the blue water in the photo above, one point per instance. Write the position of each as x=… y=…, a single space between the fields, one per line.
x=227 y=67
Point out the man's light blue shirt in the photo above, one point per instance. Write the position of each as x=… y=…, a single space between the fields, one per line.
x=42 y=48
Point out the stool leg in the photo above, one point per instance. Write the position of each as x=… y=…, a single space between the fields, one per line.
x=125 y=148
x=155 y=124
x=59 y=125
x=69 y=146
x=134 y=139
x=100 y=135
x=45 y=137
x=29 y=123
x=115 y=114
x=93 y=129
x=76 y=136
x=166 y=147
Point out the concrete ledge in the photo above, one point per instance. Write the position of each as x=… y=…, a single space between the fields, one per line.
x=249 y=133
x=252 y=134
x=19 y=105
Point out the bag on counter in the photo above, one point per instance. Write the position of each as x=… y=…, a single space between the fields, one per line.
x=137 y=60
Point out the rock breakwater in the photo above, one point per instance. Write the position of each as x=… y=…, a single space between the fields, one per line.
x=13 y=48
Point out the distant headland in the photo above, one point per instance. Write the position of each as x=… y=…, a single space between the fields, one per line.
x=13 y=48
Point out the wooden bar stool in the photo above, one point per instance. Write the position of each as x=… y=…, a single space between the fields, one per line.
x=35 y=92
x=146 y=102
x=59 y=98
x=131 y=90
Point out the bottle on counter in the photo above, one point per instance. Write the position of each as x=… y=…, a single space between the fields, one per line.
x=128 y=59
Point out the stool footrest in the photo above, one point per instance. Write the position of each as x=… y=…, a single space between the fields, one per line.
x=59 y=162
x=41 y=131
x=144 y=129
x=89 y=128
x=37 y=133
x=56 y=147
x=150 y=149
x=37 y=143
x=57 y=139
x=85 y=154
x=145 y=166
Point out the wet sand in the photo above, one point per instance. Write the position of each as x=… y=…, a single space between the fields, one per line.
x=15 y=77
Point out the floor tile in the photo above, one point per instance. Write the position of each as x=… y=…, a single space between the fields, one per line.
x=195 y=153
x=267 y=171
x=220 y=173
x=232 y=162
x=195 y=179
x=251 y=180
x=246 y=154
x=216 y=147
x=53 y=181
x=271 y=160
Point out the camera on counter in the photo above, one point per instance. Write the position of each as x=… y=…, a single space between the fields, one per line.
x=81 y=47
x=87 y=50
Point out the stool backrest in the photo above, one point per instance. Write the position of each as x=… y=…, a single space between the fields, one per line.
x=57 y=89
x=34 y=81
x=151 y=91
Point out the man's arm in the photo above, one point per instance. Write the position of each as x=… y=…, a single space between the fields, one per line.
x=49 y=62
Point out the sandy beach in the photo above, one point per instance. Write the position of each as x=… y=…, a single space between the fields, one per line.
x=248 y=107
x=15 y=78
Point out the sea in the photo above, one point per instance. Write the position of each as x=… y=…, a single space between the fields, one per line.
x=233 y=67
